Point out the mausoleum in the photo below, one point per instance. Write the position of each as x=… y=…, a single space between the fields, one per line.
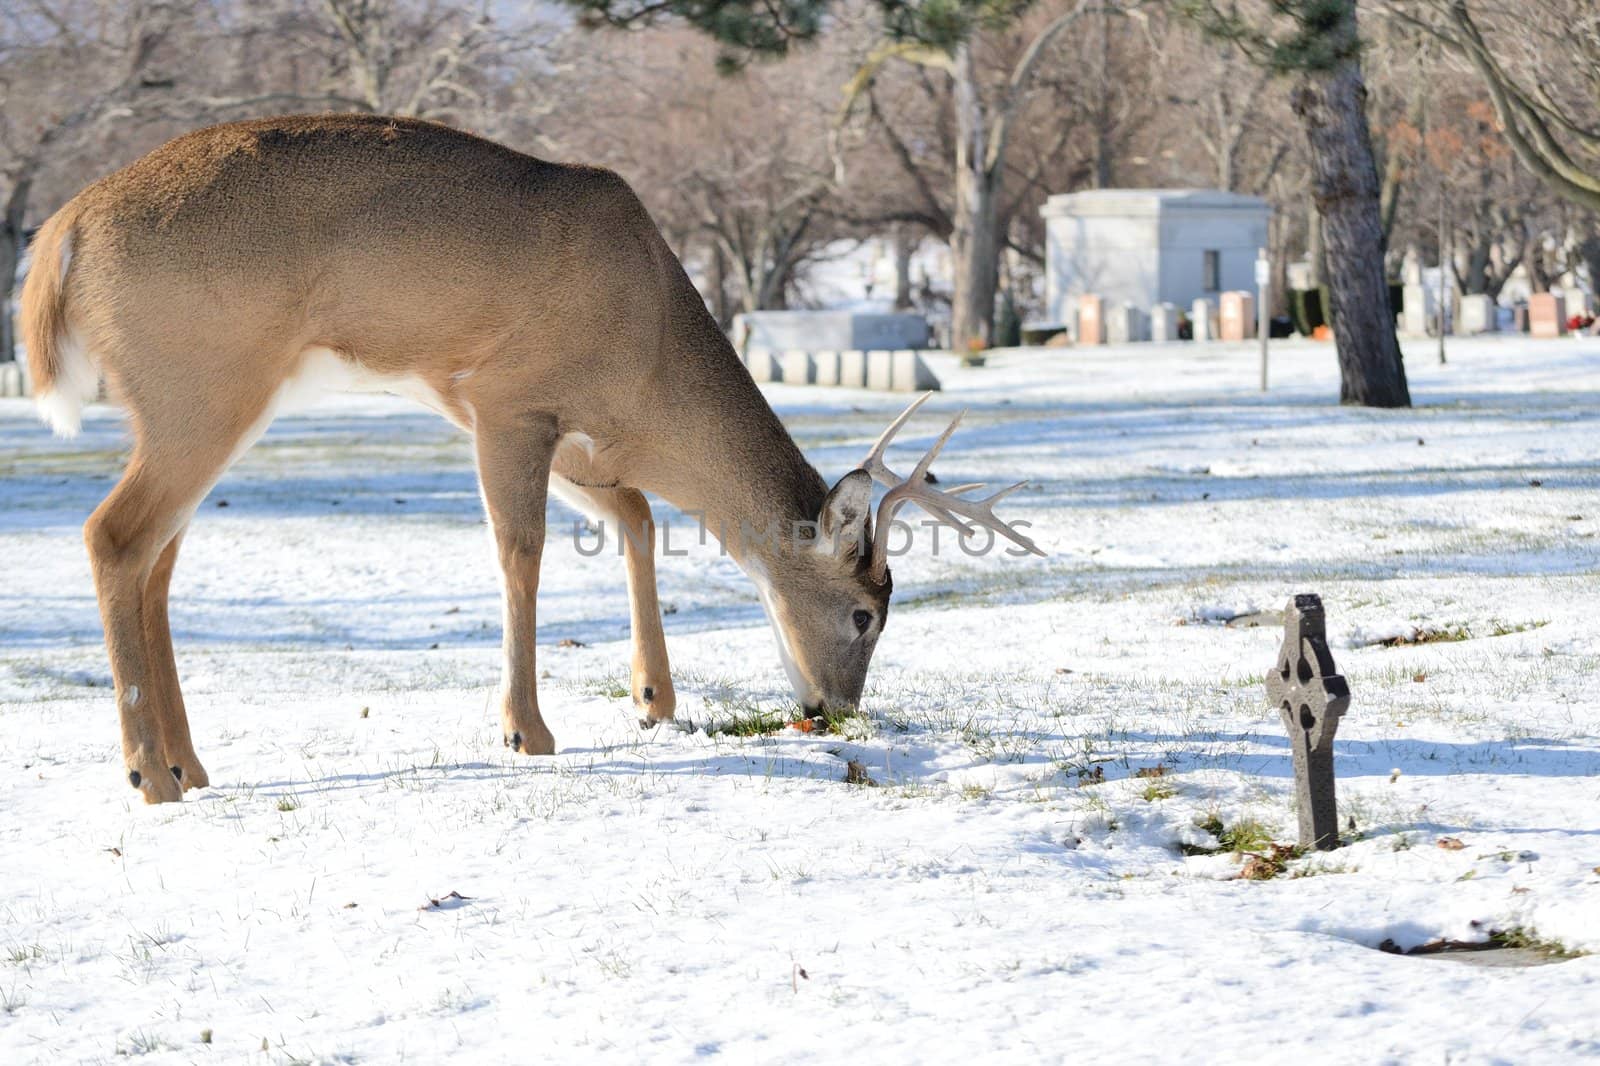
x=1147 y=247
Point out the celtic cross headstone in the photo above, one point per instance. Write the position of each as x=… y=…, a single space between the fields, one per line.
x=1311 y=696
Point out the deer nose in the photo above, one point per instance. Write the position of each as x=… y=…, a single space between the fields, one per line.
x=813 y=710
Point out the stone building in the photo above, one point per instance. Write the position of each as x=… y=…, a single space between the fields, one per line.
x=1149 y=246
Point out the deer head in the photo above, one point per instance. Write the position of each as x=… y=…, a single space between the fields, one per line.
x=829 y=599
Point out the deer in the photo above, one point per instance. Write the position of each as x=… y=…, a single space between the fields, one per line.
x=241 y=269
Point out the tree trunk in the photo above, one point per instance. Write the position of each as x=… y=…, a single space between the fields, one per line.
x=719 y=287
x=973 y=251
x=973 y=241
x=11 y=242
x=10 y=249
x=1331 y=104
x=903 y=247
x=1533 y=261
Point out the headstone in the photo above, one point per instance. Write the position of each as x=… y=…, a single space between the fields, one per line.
x=1091 y=322
x=1411 y=267
x=1519 y=318
x=10 y=380
x=1164 y=322
x=1419 y=310
x=1547 y=315
x=1125 y=324
x=853 y=369
x=763 y=365
x=880 y=370
x=1203 y=319
x=1477 y=314
x=798 y=368
x=908 y=373
x=827 y=367
x=1237 y=321
x=1579 y=302
x=1311 y=697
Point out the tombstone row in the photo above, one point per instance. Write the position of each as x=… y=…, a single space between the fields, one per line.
x=1546 y=314
x=899 y=370
x=1230 y=317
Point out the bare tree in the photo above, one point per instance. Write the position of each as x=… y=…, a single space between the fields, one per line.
x=1318 y=44
x=1540 y=62
x=68 y=69
x=738 y=169
x=984 y=117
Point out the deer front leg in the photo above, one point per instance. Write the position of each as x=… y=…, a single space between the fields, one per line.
x=176 y=742
x=652 y=676
x=514 y=470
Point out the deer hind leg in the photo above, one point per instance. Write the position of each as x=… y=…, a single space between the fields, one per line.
x=514 y=455
x=174 y=722
x=627 y=514
x=132 y=539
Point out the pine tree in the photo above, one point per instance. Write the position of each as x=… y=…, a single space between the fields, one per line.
x=1317 y=43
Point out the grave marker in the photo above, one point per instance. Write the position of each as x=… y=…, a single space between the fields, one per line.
x=1203 y=319
x=1477 y=314
x=1547 y=315
x=1091 y=326
x=1164 y=322
x=1311 y=697
x=1238 y=317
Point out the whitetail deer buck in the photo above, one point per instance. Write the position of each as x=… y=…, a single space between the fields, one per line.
x=533 y=304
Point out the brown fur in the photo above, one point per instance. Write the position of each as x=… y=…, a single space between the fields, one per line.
x=534 y=299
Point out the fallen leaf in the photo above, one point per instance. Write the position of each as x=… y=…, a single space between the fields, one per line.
x=568 y=642
x=1157 y=770
x=1450 y=844
x=804 y=725
x=1419 y=678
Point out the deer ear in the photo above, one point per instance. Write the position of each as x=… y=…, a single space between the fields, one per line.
x=844 y=513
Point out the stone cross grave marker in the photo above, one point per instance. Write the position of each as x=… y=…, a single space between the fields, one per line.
x=1311 y=697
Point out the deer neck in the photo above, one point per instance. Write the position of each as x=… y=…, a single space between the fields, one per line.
x=723 y=457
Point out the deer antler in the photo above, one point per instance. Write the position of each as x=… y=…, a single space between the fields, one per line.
x=943 y=504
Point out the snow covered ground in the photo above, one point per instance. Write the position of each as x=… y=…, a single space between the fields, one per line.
x=1012 y=890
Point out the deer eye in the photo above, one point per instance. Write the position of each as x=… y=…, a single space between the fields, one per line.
x=863 y=620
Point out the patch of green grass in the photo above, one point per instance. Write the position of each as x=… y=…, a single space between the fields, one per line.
x=1498 y=628
x=1156 y=789
x=1520 y=936
x=750 y=721
x=610 y=688
x=1245 y=836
